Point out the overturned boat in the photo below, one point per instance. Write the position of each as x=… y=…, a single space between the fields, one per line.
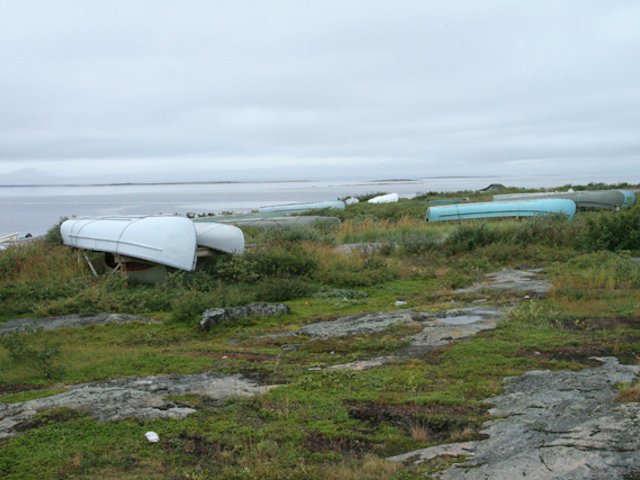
x=267 y=222
x=584 y=199
x=386 y=198
x=513 y=208
x=171 y=241
x=302 y=207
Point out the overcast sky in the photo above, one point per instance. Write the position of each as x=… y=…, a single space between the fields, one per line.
x=214 y=90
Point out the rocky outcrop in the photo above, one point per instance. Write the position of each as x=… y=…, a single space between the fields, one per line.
x=142 y=398
x=76 y=320
x=213 y=316
x=553 y=425
x=364 y=324
x=526 y=281
x=438 y=328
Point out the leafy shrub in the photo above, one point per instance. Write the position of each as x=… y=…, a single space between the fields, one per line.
x=234 y=269
x=469 y=237
x=614 y=232
x=552 y=231
x=295 y=234
x=419 y=242
x=281 y=289
x=41 y=358
x=283 y=262
x=189 y=304
x=53 y=237
x=355 y=271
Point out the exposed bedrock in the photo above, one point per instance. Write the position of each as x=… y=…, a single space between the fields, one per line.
x=560 y=425
x=213 y=316
x=525 y=281
x=143 y=398
x=438 y=328
x=65 y=321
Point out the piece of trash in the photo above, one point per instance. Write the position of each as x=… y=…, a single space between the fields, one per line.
x=332 y=353
x=224 y=357
x=152 y=437
x=314 y=369
x=399 y=303
x=527 y=297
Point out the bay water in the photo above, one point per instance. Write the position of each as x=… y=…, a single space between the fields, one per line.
x=35 y=209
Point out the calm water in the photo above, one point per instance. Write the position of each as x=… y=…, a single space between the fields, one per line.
x=35 y=209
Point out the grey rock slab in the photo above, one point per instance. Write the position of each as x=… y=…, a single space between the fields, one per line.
x=364 y=324
x=422 y=455
x=439 y=328
x=556 y=425
x=360 y=365
x=65 y=321
x=213 y=316
x=142 y=398
x=526 y=281
x=456 y=324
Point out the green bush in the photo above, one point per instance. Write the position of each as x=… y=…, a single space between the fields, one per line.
x=468 y=237
x=42 y=358
x=280 y=261
x=53 y=236
x=281 y=289
x=419 y=242
x=233 y=269
x=355 y=272
x=552 y=231
x=613 y=231
x=189 y=304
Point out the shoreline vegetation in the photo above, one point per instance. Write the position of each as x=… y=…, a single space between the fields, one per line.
x=323 y=420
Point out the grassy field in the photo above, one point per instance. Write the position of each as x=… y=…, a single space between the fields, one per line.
x=319 y=424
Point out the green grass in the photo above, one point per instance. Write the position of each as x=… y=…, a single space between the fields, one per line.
x=319 y=424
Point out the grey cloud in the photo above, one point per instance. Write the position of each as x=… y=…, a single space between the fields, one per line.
x=424 y=84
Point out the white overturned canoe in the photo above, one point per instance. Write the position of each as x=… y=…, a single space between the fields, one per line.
x=388 y=198
x=216 y=236
x=165 y=240
x=302 y=207
x=11 y=237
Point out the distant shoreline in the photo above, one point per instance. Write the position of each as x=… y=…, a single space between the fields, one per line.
x=245 y=182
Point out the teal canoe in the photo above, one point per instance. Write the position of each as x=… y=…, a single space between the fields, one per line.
x=513 y=208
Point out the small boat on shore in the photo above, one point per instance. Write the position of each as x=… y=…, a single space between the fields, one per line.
x=268 y=222
x=514 y=208
x=220 y=237
x=8 y=240
x=584 y=199
x=302 y=207
x=387 y=198
x=169 y=240
x=165 y=240
x=11 y=237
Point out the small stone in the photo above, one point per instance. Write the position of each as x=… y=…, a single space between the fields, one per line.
x=152 y=437
x=400 y=303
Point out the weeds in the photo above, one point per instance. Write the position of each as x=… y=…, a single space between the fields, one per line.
x=41 y=358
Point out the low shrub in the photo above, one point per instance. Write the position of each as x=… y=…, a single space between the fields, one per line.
x=419 y=242
x=42 y=358
x=614 y=232
x=355 y=271
x=470 y=236
x=552 y=231
x=281 y=289
x=283 y=262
